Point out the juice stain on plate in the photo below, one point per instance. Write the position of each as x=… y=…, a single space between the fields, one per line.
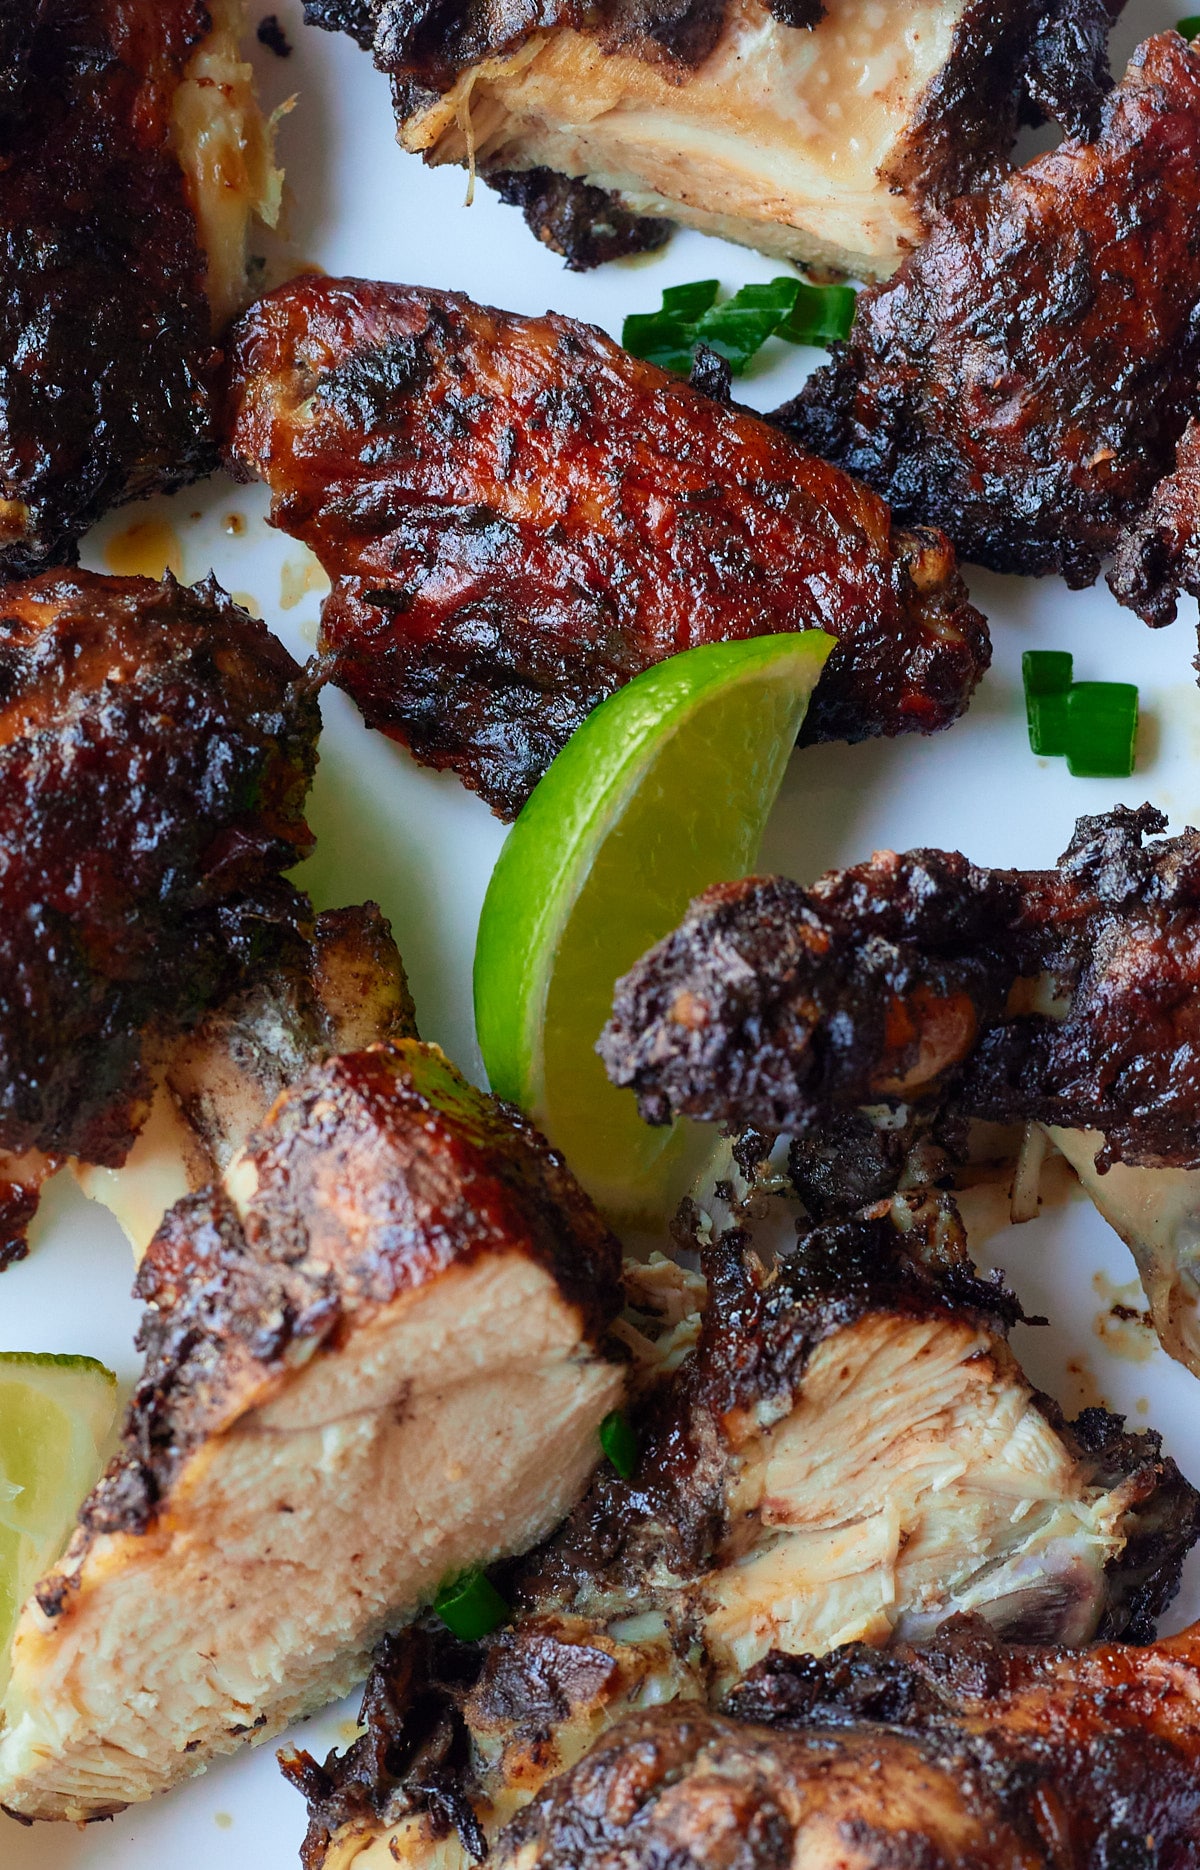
x=1123 y=1326
x=223 y=1821
x=1084 y=1391
x=145 y=549
x=234 y=524
x=297 y=578
x=248 y=601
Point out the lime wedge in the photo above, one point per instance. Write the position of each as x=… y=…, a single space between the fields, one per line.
x=56 y=1415
x=664 y=790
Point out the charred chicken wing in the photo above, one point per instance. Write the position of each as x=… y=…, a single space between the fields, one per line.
x=517 y=516
x=132 y=156
x=374 y=1356
x=1024 y=378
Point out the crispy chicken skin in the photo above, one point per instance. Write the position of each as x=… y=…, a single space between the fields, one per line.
x=814 y=131
x=1064 y=996
x=131 y=155
x=1024 y=378
x=1159 y=554
x=850 y=1450
x=964 y=1753
x=337 y=985
x=156 y=747
x=374 y=1354
x=517 y=516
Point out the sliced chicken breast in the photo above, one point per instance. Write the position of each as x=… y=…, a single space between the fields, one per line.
x=374 y=1356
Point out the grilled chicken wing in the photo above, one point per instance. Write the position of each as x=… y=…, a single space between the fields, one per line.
x=517 y=517
x=337 y=986
x=962 y=1753
x=1063 y=996
x=373 y=1357
x=850 y=1451
x=1024 y=378
x=814 y=131
x=1159 y=554
x=132 y=156
x=156 y=747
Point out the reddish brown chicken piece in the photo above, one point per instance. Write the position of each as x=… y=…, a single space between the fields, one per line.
x=1023 y=379
x=964 y=1753
x=1159 y=555
x=518 y=516
x=1066 y=996
x=156 y=746
x=131 y=154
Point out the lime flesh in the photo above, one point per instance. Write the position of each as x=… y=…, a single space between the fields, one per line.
x=56 y=1415
x=664 y=790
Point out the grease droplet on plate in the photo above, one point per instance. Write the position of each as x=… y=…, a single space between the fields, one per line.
x=145 y=549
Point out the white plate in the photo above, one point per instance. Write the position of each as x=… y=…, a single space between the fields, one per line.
x=423 y=847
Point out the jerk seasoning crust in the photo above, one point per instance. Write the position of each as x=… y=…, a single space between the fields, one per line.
x=856 y=125
x=517 y=517
x=156 y=748
x=1023 y=379
x=1064 y=996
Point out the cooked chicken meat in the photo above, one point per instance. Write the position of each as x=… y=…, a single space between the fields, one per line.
x=1024 y=378
x=339 y=986
x=925 y=986
x=374 y=1356
x=156 y=747
x=132 y=157
x=813 y=131
x=851 y=1452
x=517 y=516
x=1159 y=554
x=964 y=1753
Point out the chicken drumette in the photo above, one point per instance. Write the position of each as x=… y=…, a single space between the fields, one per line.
x=518 y=516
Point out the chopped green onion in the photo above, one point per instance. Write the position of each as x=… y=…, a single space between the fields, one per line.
x=619 y=1443
x=1102 y=720
x=1047 y=677
x=1190 y=26
x=470 y=1605
x=738 y=327
x=820 y=314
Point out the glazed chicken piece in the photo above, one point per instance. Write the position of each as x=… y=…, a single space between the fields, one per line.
x=850 y=1452
x=374 y=1356
x=338 y=986
x=156 y=747
x=1024 y=378
x=132 y=158
x=1159 y=554
x=965 y=1752
x=1063 y=997
x=517 y=517
x=826 y=132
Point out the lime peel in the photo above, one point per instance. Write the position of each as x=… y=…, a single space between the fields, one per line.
x=664 y=790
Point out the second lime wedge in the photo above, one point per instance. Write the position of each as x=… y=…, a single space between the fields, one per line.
x=664 y=790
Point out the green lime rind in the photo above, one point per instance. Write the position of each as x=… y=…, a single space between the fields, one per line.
x=59 y=1360
x=663 y=790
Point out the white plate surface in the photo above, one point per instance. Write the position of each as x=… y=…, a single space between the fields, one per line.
x=424 y=848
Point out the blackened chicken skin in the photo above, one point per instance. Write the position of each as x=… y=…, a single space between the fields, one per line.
x=917 y=979
x=156 y=747
x=840 y=1454
x=517 y=517
x=130 y=156
x=1159 y=555
x=964 y=1753
x=1023 y=379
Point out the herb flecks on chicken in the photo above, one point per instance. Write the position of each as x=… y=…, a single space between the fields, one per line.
x=132 y=156
x=851 y=1450
x=855 y=125
x=963 y=1752
x=517 y=517
x=374 y=1355
x=1023 y=379
x=156 y=747
x=1064 y=996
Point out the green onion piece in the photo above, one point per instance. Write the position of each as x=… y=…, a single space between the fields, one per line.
x=1047 y=677
x=470 y=1605
x=1190 y=26
x=619 y=1443
x=741 y=326
x=668 y=337
x=820 y=314
x=1102 y=719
